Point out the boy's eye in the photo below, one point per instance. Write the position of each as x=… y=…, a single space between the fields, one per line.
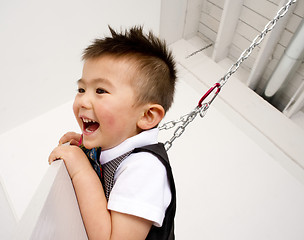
x=80 y=90
x=100 y=91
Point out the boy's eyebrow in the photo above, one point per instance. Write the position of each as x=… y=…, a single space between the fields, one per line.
x=97 y=80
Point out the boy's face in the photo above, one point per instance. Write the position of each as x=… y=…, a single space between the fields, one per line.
x=105 y=103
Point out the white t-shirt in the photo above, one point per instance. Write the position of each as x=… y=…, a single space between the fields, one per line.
x=141 y=186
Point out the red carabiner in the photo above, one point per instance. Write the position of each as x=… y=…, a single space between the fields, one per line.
x=218 y=86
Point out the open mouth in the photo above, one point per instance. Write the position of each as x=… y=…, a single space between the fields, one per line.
x=89 y=125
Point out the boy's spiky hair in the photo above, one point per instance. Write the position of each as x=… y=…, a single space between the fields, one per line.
x=155 y=67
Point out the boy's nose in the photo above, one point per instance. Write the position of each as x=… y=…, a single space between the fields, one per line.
x=86 y=101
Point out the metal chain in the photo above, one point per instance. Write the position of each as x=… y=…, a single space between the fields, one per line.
x=180 y=130
x=256 y=41
x=172 y=124
x=203 y=107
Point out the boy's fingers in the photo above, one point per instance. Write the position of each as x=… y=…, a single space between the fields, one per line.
x=69 y=136
x=53 y=160
x=54 y=156
x=74 y=142
x=65 y=138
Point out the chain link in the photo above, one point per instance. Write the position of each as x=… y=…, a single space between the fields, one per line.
x=203 y=107
x=172 y=124
x=186 y=119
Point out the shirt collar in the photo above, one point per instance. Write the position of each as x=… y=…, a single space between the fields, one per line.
x=142 y=139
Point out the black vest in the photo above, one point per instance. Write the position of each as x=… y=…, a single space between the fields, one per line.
x=166 y=231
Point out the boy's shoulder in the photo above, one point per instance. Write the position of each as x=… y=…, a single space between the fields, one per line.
x=143 y=159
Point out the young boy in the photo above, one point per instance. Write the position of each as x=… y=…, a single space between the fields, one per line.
x=126 y=87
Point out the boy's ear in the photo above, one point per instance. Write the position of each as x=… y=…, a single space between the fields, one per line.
x=152 y=115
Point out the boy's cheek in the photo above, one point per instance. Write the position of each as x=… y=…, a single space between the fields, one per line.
x=110 y=122
x=76 y=114
x=75 y=108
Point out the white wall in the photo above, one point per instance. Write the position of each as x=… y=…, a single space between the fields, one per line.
x=7 y=219
x=41 y=44
x=179 y=19
x=44 y=218
x=172 y=19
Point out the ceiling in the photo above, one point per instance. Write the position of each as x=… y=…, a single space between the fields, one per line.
x=231 y=26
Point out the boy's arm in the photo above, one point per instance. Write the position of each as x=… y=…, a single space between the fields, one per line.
x=99 y=222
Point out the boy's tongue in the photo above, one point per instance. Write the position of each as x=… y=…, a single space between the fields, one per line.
x=91 y=126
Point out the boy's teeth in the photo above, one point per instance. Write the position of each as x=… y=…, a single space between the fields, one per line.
x=87 y=120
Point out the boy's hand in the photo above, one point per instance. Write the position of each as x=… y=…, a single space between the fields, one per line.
x=74 y=158
x=71 y=137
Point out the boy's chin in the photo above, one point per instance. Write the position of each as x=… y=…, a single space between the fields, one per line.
x=89 y=145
